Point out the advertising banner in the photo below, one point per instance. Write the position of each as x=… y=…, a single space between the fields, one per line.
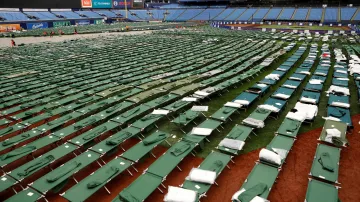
x=101 y=3
x=61 y=23
x=86 y=4
x=138 y=4
x=121 y=3
x=38 y=25
x=82 y=22
x=9 y=27
x=98 y=22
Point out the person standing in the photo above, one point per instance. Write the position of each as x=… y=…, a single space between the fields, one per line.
x=13 y=44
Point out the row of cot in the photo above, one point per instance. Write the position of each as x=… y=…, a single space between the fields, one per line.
x=259 y=182
x=157 y=172
x=324 y=173
x=200 y=179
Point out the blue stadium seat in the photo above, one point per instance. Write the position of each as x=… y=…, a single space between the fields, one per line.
x=107 y=13
x=234 y=15
x=89 y=14
x=247 y=14
x=208 y=14
x=286 y=14
x=43 y=15
x=189 y=14
x=224 y=14
x=300 y=14
x=158 y=14
x=260 y=14
x=68 y=14
x=331 y=14
x=315 y=14
x=142 y=14
x=13 y=16
x=273 y=14
x=357 y=17
x=173 y=14
x=347 y=13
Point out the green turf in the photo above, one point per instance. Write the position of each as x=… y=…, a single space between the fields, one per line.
x=326 y=28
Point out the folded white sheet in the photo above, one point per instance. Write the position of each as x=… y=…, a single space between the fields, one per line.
x=295 y=78
x=270 y=156
x=262 y=85
x=341 y=71
x=232 y=144
x=273 y=76
x=333 y=132
x=289 y=86
x=189 y=99
x=269 y=107
x=254 y=122
x=233 y=104
x=160 y=111
x=201 y=131
x=280 y=95
x=340 y=104
x=315 y=81
x=305 y=72
x=338 y=89
x=203 y=176
x=201 y=93
x=331 y=118
x=255 y=199
x=308 y=100
x=242 y=102
x=176 y=194
x=298 y=116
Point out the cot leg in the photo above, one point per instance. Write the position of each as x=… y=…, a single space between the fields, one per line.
x=228 y=166
x=156 y=126
x=182 y=130
x=254 y=133
x=218 y=130
x=142 y=135
x=152 y=154
x=207 y=140
x=107 y=190
x=74 y=154
x=232 y=161
x=194 y=122
x=122 y=148
x=103 y=161
x=75 y=180
x=46 y=199
x=14 y=190
x=193 y=154
x=99 y=164
x=179 y=168
x=135 y=169
x=160 y=190
x=129 y=172
x=221 y=126
x=163 y=185
x=168 y=143
x=216 y=183
x=230 y=119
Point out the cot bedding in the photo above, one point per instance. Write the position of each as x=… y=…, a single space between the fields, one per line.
x=340 y=114
x=258 y=88
x=245 y=98
x=334 y=132
x=339 y=101
x=256 y=119
x=289 y=128
x=283 y=93
x=310 y=97
x=238 y=134
x=325 y=165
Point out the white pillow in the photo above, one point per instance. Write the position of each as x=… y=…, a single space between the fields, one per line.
x=200 y=175
x=270 y=156
x=176 y=194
